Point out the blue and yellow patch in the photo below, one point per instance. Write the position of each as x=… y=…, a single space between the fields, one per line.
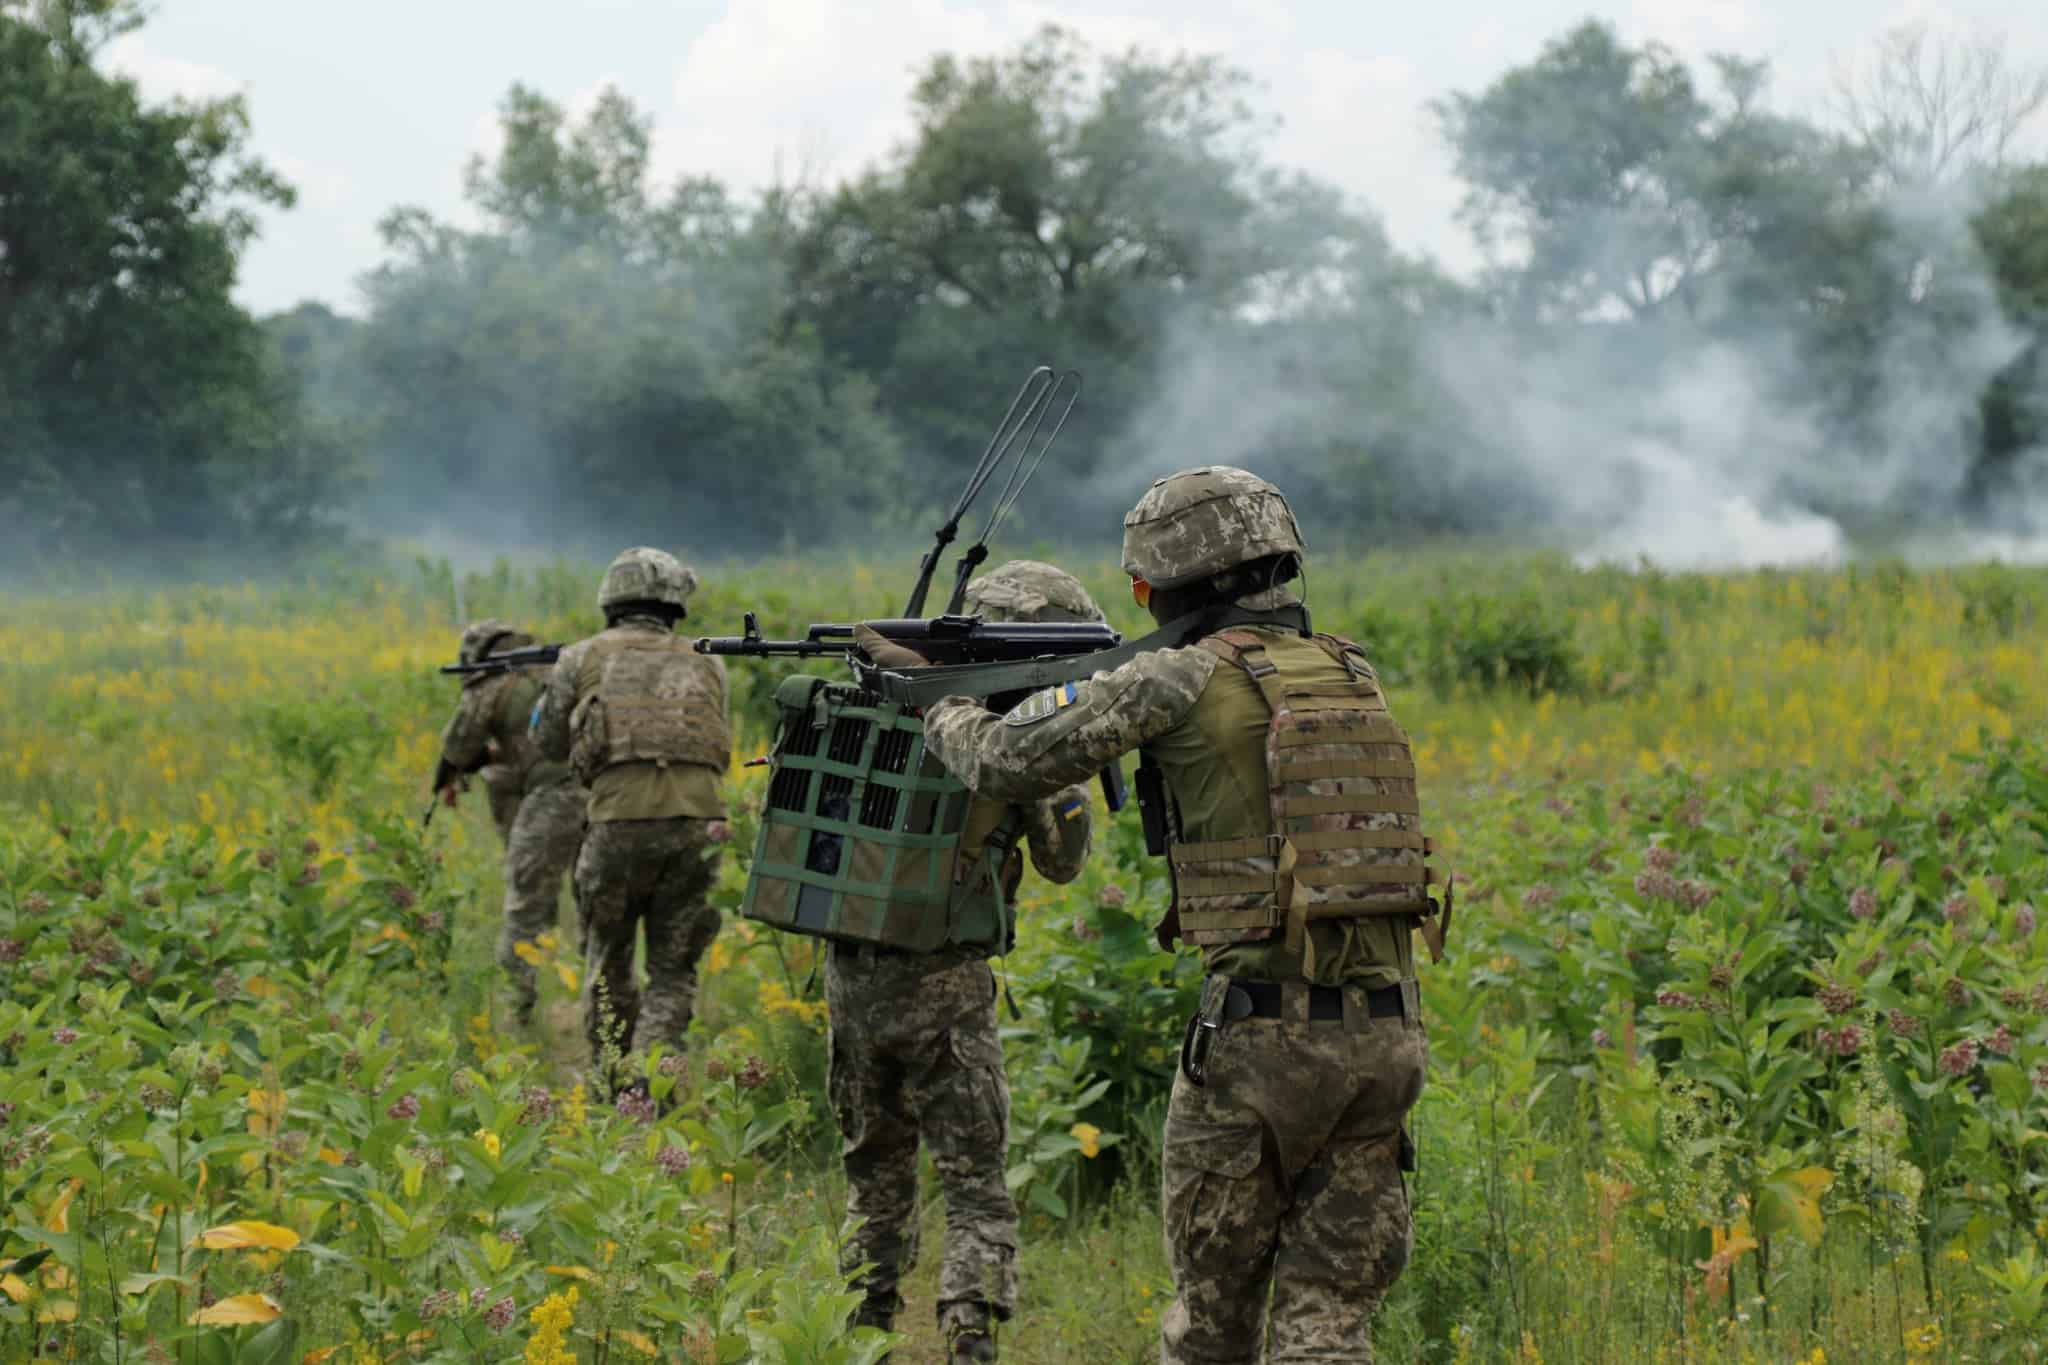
x=1073 y=808
x=1042 y=705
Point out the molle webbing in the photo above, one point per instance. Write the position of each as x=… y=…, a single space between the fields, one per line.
x=1345 y=837
x=657 y=701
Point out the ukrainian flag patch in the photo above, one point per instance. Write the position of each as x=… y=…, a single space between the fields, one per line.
x=1073 y=808
x=1042 y=705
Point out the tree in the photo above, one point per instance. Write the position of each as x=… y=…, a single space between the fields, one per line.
x=140 y=404
x=2013 y=232
x=1055 y=204
x=1583 y=163
x=1930 y=108
x=603 y=355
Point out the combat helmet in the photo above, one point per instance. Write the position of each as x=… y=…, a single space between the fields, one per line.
x=1198 y=523
x=481 y=639
x=642 y=574
x=1029 y=590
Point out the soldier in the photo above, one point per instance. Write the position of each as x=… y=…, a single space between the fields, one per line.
x=537 y=807
x=1298 y=869
x=914 y=1046
x=644 y=722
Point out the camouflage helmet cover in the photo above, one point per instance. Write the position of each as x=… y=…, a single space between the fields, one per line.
x=642 y=574
x=481 y=639
x=1200 y=522
x=1029 y=590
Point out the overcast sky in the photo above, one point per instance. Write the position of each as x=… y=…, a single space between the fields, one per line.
x=375 y=103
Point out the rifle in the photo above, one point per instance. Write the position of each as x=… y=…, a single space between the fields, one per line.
x=1035 y=418
x=529 y=657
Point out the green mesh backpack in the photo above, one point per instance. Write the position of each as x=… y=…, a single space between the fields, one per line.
x=861 y=835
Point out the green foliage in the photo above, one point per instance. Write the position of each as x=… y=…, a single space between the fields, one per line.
x=319 y=741
x=1484 y=642
x=143 y=410
x=1740 y=1044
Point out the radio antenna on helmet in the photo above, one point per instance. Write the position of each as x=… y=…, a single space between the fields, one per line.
x=1027 y=412
x=1055 y=403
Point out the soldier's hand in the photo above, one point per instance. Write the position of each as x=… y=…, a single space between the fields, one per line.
x=718 y=832
x=885 y=652
x=449 y=794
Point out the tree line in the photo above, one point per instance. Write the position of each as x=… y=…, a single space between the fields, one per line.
x=606 y=354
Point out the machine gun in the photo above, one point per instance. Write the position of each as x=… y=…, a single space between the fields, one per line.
x=943 y=640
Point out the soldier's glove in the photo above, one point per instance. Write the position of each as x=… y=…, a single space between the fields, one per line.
x=884 y=652
x=451 y=792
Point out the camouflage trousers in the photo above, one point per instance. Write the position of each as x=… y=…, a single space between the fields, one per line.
x=915 y=1057
x=504 y=798
x=653 y=874
x=540 y=850
x=1282 y=1177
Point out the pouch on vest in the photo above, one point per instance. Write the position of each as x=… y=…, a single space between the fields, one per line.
x=1345 y=837
x=860 y=837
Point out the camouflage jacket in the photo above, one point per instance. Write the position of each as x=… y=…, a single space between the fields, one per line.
x=627 y=791
x=1055 y=739
x=488 y=736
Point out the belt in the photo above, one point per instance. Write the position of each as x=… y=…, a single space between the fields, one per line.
x=1325 y=1003
x=867 y=952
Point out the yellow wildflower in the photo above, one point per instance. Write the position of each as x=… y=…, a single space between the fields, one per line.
x=490 y=1141
x=481 y=1037
x=575 y=1108
x=1090 y=1138
x=552 y=1318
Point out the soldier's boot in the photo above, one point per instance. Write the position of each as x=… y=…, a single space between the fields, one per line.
x=970 y=1337
x=969 y=1346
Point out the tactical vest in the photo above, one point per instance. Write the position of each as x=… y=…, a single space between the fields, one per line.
x=655 y=700
x=866 y=838
x=1342 y=837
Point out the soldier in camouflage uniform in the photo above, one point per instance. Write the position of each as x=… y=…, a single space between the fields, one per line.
x=644 y=722
x=914 y=1046
x=1299 y=870
x=536 y=805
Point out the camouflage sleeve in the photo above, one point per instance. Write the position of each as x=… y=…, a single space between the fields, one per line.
x=513 y=714
x=1056 y=831
x=465 y=744
x=550 y=724
x=1066 y=734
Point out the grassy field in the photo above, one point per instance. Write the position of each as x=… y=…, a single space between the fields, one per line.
x=1740 y=1054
